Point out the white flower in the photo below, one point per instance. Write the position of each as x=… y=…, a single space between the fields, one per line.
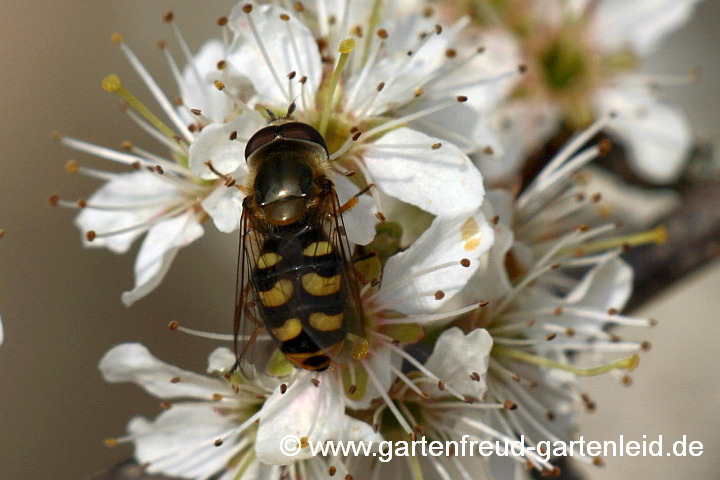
x=227 y=424
x=582 y=64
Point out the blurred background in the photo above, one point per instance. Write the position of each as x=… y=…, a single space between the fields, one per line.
x=60 y=303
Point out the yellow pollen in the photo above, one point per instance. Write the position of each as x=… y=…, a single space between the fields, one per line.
x=71 y=166
x=347 y=45
x=111 y=83
x=117 y=37
x=110 y=442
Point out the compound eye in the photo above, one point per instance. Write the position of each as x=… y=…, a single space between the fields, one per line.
x=261 y=138
x=302 y=131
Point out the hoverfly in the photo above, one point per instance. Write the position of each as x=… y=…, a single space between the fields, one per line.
x=295 y=275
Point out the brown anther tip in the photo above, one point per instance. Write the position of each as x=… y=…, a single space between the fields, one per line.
x=2 y=233
x=469 y=399
x=332 y=470
x=283 y=388
x=356 y=135
x=352 y=389
x=315 y=382
x=380 y=86
x=217 y=397
x=161 y=44
x=165 y=405
x=598 y=462
x=417 y=93
x=90 y=235
x=515 y=377
x=653 y=322
x=233 y=135
x=221 y=65
x=439 y=295
x=441 y=385
x=348 y=477
x=438 y=29
x=488 y=150
x=615 y=338
x=303 y=79
x=625 y=247
x=461 y=98
x=247 y=8
x=382 y=33
x=127 y=146
x=522 y=68
x=222 y=21
x=428 y=12
x=475 y=376
x=558 y=311
x=613 y=311
x=450 y=53
x=380 y=216
x=136 y=165
x=412 y=436
x=299 y=7
x=55 y=136
x=219 y=85
x=291 y=75
x=172 y=326
x=159 y=169
x=646 y=346
x=570 y=332
x=509 y=405
x=81 y=203
x=436 y=146
x=117 y=37
x=110 y=442
x=284 y=17
x=555 y=266
x=169 y=17
x=196 y=111
x=484 y=303
x=465 y=262
x=218 y=442
x=175 y=380
x=54 y=199
x=627 y=380
x=583 y=228
x=604 y=146
x=179 y=101
x=550 y=415
x=550 y=336
x=596 y=197
x=424 y=396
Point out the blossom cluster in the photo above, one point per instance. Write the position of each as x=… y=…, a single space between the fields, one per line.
x=482 y=301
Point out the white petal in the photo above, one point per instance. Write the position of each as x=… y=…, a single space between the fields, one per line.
x=633 y=206
x=359 y=221
x=247 y=57
x=606 y=286
x=657 y=137
x=304 y=411
x=180 y=442
x=132 y=362
x=443 y=182
x=456 y=356
x=447 y=240
x=639 y=24
x=224 y=205
x=214 y=144
x=157 y=252
x=125 y=189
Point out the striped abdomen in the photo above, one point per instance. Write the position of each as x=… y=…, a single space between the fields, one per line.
x=299 y=285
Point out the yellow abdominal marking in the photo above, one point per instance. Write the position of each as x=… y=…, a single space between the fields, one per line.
x=319 y=286
x=317 y=249
x=324 y=322
x=267 y=260
x=290 y=329
x=278 y=294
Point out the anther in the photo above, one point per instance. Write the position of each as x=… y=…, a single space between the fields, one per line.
x=598 y=462
x=438 y=29
x=627 y=380
x=110 y=442
x=461 y=98
x=332 y=470
x=550 y=415
x=488 y=150
x=558 y=311
x=284 y=17
x=315 y=382
x=604 y=146
x=613 y=311
x=515 y=377
x=299 y=7
x=550 y=336
x=382 y=33
x=165 y=405
x=469 y=399
x=439 y=295
x=570 y=332
x=356 y=135
x=175 y=380
x=219 y=85
x=348 y=477
x=441 y=385
x=436 y=146
x=136 y=165
x=218 y=442
x=54 y=199
x=217 y=397
x=172 y=326
x=81 y=203
x=233 y=135
x=380 y=216
x=117 y=38
x=596 y=197
x=161 y=44
x=419 y=92
x=303 y=79
x=90 y=235
x=495 y=219
x=380 y=86
x=222 y=21
x=358 y=31
x=522 y=68
x=509 y=405
x=450 y=53
x=555 y=266
x=352 y=389
x=465 y=262
x=653 y=322
x=221 y=65
x=291 y=75
x=283 y=388
x=646 y=346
